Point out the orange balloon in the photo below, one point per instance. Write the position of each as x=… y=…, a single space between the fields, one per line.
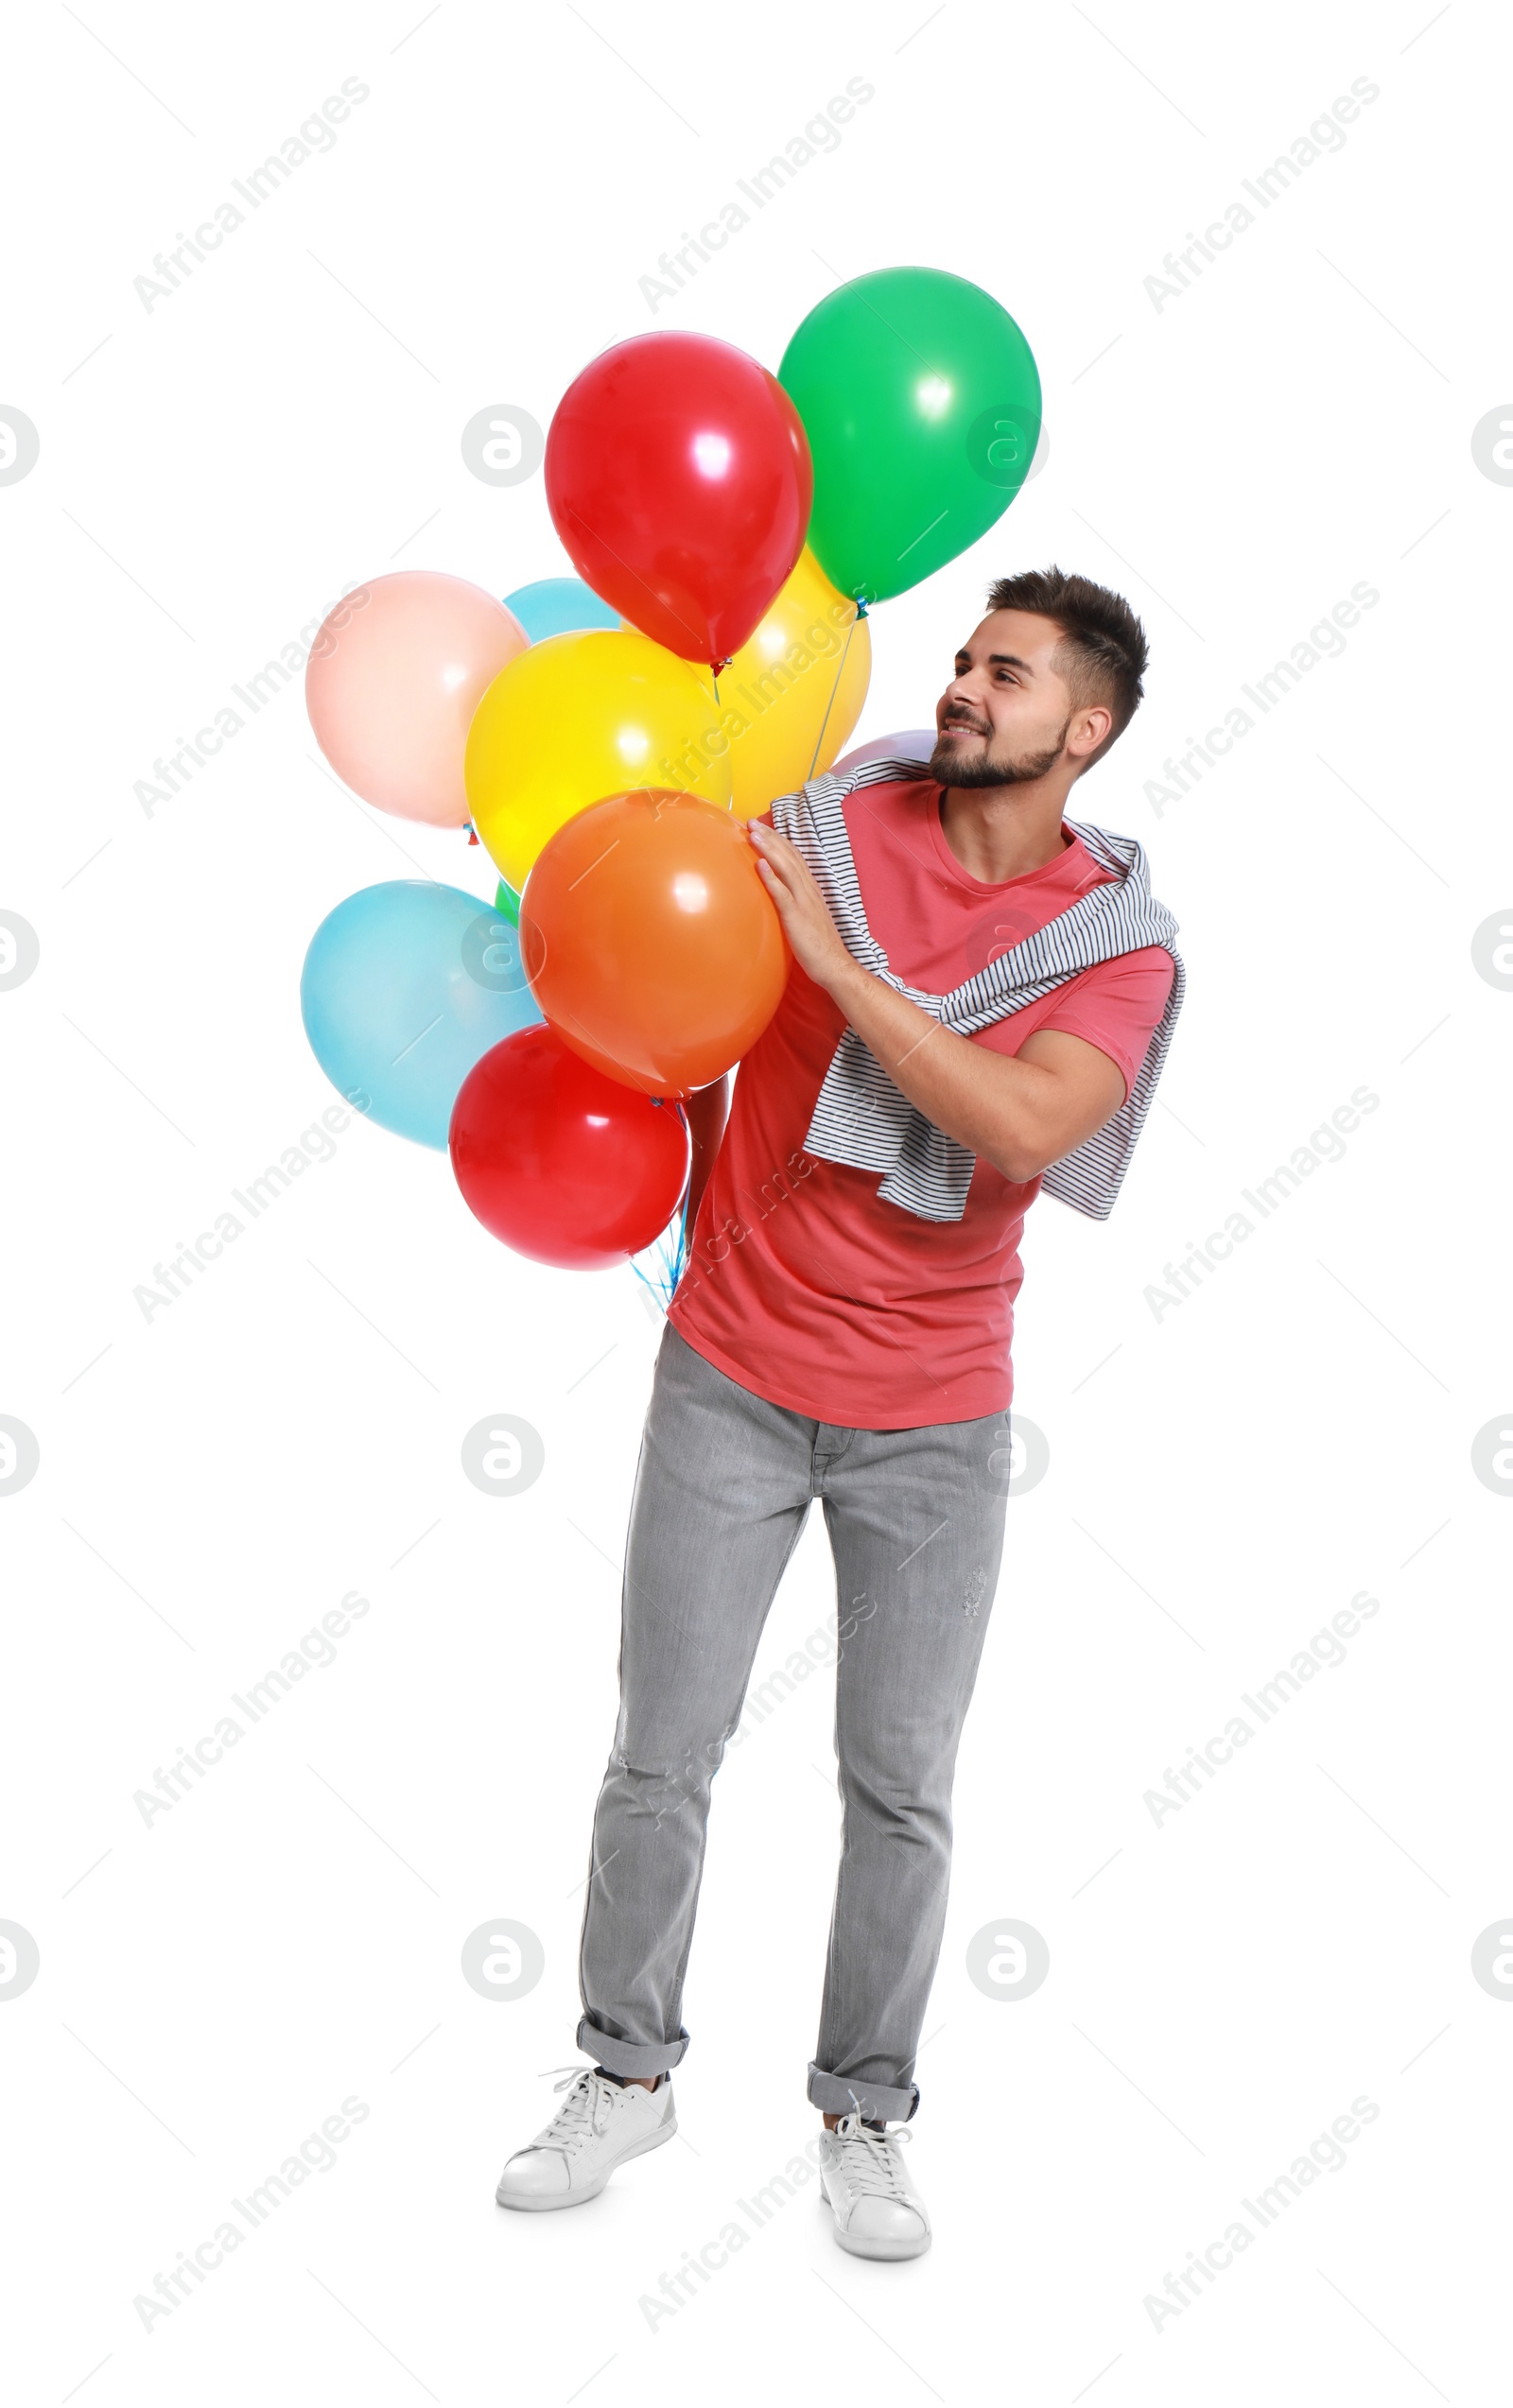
x=649 y=941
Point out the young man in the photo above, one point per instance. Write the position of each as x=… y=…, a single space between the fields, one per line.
x=980 y=1002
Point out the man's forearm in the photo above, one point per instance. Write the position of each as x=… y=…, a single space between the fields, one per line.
x=1019 y=1111
x=990 y=1102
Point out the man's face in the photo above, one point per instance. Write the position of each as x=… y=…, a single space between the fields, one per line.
x=1003 y=718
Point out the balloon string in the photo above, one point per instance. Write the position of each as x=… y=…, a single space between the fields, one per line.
x=860 y=611
x=680 y=1255
x=670 y=1271
x=665 y=1287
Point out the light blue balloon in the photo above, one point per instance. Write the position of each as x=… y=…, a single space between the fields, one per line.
x=404 y=988
x=559 y=606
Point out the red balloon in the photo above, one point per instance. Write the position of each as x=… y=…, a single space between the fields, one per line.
x=678 y=477
x=560 y=1162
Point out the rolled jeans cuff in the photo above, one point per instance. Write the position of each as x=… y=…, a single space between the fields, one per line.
x=631 y=2057
x=834 y=2096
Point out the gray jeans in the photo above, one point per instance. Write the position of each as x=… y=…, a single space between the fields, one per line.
x=915 y=1521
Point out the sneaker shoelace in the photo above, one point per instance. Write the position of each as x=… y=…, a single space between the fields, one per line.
x=869 y=2160
x=580 y=2113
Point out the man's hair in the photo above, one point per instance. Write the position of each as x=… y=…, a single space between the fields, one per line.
x=1103 y=652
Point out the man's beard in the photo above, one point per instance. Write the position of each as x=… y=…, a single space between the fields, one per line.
x=949 y=768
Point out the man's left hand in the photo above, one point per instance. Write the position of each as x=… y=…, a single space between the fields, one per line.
x=810 y=932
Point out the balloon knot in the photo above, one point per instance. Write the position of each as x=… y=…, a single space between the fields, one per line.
x=472 y=832
x=861 y=607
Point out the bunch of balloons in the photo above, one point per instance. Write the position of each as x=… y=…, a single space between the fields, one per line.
x=605 y=734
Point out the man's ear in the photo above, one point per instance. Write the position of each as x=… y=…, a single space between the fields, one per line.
x=1088 y=729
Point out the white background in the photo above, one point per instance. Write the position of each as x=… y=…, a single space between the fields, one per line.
x=1221 y=1479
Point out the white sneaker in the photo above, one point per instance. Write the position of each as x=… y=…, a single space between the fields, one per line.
x=597 y=2128
x=877 y=2211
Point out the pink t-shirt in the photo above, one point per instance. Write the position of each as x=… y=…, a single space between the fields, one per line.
x=801 y=1284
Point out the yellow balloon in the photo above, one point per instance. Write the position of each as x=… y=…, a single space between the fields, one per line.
x=580 y=717
x=792 y=694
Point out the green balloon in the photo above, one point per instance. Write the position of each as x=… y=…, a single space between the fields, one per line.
x=508 y=902
x=921 y=401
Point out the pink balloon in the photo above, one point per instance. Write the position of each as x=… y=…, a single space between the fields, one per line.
x=393 y=679
x=914 y=744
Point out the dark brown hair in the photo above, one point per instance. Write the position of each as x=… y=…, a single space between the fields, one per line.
x=1103 y=653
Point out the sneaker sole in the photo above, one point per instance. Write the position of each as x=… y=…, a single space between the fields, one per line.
x=576 y=2198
